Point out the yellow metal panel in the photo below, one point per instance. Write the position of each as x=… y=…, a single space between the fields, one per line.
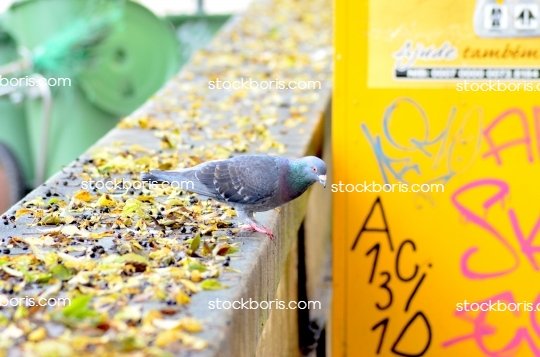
x=405 y=263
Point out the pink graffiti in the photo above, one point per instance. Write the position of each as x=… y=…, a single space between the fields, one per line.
x=536 y=120
x=482 y=328
x=525 y=140
x=526 y=242
x=503 y=190
x=522 y=337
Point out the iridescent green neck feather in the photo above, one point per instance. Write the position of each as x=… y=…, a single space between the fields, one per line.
x=297 y=180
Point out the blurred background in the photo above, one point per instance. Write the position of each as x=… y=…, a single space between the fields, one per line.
x=70 y=69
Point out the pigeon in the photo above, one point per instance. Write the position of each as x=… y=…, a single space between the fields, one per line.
x=249 y=183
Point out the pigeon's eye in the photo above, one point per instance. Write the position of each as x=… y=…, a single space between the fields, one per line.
x=314 y=169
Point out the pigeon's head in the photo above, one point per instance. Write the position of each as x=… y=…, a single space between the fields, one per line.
x=314 y=169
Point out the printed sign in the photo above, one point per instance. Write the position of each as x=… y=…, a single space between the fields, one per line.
x=436 y=188
x=435 y=51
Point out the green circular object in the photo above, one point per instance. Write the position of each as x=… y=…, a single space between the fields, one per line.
x=133 y=62
x=135 y=57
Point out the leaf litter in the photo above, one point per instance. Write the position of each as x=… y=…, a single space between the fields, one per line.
x=131 y=259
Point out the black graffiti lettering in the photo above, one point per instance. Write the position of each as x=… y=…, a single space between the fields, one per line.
x=366 y=229
x=387 y=288
x=414 y=292
x=376 y=248
x=428 y=342
x=398 y=260
x=404 y=274
x=382 y=323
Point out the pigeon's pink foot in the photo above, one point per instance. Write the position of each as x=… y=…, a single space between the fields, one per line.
x=254 y=227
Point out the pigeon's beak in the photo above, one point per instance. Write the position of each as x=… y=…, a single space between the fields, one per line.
x=322 y=180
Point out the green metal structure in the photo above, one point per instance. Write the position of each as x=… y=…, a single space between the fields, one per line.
x=113 y=53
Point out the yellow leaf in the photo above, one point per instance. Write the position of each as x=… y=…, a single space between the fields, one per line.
x=84 y=176
x=135 y=244
x=207 y=229
x=22 y=212
x=37 y=335
x=151 y=316
x=51 y=219
x=190 y=285
x=106 y=201
x=84 y=196
x=212 y=284
x=192 y=341
x=196 y=276
x=138 y=148
x=100 y=235
x=191 y=325
x=196 y=242
x=146 y=198
x=176 y=201
x=134 y=258
x=182 y=298
x=165 y=338
x=161 y=254
x=38 y=202
x=132 y=206
x=51 y=347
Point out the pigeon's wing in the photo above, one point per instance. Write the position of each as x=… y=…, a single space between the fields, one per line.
x=243 y=179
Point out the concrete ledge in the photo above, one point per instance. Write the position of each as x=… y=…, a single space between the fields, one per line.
x=274 y=40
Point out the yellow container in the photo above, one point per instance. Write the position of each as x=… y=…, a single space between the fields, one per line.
x=444 y=95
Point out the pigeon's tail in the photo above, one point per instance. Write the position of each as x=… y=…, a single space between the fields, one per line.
x=167 y=177
x=183 y=179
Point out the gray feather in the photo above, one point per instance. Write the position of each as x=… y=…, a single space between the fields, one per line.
x=250 y=183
